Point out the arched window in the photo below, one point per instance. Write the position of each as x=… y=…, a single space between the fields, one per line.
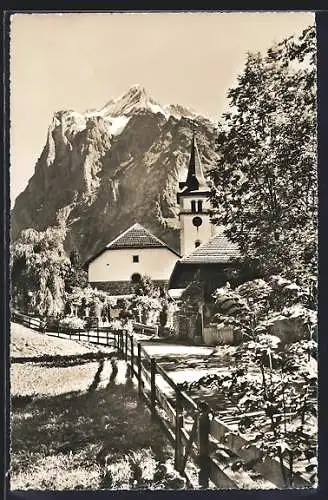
x=135 y=278
x=193 y=206
x=200 y=205
x=197 y=243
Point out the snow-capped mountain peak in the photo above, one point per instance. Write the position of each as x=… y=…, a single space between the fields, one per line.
x=134 y=99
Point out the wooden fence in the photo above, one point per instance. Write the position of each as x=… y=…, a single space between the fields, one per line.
x=95 y=335
x=193 y=431
x=145 y=329
x=29 y=321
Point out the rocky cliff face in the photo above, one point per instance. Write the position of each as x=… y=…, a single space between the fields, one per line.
x=106 y=169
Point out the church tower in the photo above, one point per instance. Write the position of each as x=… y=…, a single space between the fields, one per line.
x=195 y=225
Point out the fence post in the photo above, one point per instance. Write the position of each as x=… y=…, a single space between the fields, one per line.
x=178 y=455
x=122 y=343
x=106 y=337
x=126 y=345
x=97 y=331
x=132 y=353
x=203 y=444
x=139 y=370
x=152 y=386
x=119 y=342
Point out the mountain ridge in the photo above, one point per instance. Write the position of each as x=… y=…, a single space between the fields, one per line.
x=101 y=171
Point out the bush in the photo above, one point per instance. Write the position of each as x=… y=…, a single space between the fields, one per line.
x=116 y=324
x=72 y=323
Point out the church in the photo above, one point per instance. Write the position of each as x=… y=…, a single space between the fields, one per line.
x=205 y=251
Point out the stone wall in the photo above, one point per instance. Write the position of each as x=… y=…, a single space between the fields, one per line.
x=122 y=287
x=187 y=323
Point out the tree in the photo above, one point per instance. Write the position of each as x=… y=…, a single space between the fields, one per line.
x=76 y=276
x=265 y=181
x=38 y=269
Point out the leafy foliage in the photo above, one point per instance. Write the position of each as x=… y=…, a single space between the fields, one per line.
x=72 y=323
x=76 y=276
x=38 y=269
x=265 y=191
x=97 y=301
x=273 y=378
x=149 y=304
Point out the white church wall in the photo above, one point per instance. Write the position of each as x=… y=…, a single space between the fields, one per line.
x=186 y=202
x=118 y=265
x=190 y=234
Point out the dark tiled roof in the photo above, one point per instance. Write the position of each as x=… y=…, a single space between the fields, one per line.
x=137 y=237
x=134 y=237
x=219 y=250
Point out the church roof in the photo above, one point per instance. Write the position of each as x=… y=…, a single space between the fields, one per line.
x=136 y=237
x=211 y=256
x=195 y=178
x=218 y=250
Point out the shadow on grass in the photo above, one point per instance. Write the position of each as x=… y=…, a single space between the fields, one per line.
x=62 y=361
x=102 y=423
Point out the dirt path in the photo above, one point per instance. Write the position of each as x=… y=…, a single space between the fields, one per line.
x=188 y=363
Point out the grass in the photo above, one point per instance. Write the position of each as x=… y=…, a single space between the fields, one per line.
x=27 y=343
x=97 y=439
x=74 y=426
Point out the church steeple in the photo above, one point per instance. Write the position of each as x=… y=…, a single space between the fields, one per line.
x=195 y=226
x=195 y=180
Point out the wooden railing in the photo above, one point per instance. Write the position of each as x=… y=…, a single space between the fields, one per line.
x=145 y=329
x=194 y=433
x=28 y=321
x=97 y=335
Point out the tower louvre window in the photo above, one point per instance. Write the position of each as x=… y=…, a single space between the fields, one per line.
x=135 y=258
x=200 y=205
x=193 y=206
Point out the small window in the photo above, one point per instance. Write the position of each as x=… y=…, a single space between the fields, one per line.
x=197 y=243
x=135 y=258
x=200 y=206
x=193 y=206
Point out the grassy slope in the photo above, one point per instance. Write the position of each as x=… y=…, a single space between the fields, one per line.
x=74 y=428
x=29 y=343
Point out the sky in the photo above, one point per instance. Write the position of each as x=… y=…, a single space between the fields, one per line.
x=80 y=61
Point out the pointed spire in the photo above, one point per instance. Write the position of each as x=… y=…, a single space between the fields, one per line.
x=195 y=177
